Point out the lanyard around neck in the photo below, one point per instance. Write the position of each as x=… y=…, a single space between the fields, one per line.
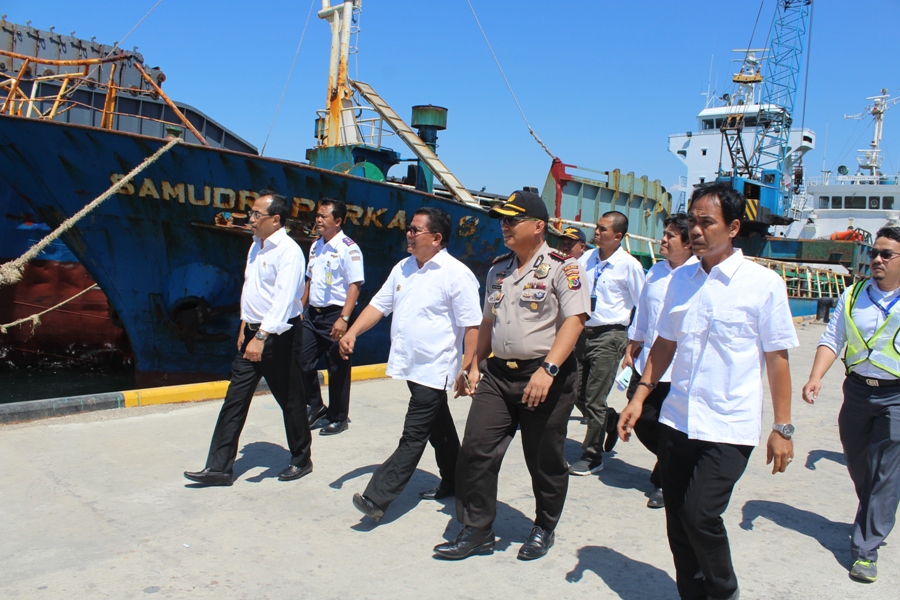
x=885 y=311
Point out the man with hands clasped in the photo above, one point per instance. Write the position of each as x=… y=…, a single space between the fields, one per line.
x=726 y=317
x=866 y=320
x=534 y=309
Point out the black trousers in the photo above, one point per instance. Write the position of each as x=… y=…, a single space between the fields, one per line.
x=245 y=375
x=317 y=324
x=648 y=427
x=428 y=418
x=697 y=480
x=495 y=414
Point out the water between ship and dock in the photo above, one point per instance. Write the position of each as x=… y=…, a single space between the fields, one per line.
x=94 y=505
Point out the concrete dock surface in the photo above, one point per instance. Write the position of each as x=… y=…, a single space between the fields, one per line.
x=95 y=506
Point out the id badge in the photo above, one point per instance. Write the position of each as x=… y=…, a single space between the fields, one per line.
x=593 y=303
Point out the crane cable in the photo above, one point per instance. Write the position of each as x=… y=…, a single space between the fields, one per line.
x=516 y=100
x=291 y=72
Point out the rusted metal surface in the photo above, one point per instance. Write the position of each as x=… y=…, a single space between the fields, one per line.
x=171 y=105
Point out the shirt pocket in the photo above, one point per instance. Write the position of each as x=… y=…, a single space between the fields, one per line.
x=533 y=305
x=731 y=332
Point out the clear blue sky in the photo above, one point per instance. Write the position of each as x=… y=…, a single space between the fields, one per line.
x=603 y=82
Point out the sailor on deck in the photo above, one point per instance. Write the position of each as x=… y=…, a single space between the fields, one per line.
x=867 y=320
x=270 y=315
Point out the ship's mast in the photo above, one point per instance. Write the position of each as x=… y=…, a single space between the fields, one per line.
x=339 y=101
x=870 y=160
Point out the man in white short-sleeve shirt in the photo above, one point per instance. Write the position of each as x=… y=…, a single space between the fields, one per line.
x=333 y=280
x=436 y=313
x=728 y=318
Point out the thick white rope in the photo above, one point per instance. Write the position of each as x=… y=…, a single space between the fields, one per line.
x=36 y=318
x=11 y=272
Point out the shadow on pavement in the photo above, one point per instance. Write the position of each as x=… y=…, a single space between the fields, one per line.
x=815 y=456
x=357 y=472
x=261 y=454
x=831 y=535
x=627 y=578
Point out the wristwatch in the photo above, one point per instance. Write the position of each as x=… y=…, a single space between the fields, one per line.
x=261 y=335
x=345 y=318
x=785 y=429
x=552 y=370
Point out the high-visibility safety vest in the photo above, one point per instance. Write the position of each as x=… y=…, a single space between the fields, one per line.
x=881 y=349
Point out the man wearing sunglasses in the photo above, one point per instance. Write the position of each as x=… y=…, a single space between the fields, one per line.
x=434 y=301
x=333 y=281
x=867 y=320
x=534 y=309
x=270 y=316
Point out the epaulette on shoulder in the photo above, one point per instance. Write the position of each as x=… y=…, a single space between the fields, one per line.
x=349 y=242
x=501 y=257
x=560 y=256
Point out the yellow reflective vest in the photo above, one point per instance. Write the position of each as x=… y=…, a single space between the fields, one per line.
x=881 y=349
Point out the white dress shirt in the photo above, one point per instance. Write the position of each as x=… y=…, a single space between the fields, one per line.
x=616 y=282
x=646 y=318
x=868 y=319
x=333 y=266
x=432 y=306
x=272 y=282
x=722 y=323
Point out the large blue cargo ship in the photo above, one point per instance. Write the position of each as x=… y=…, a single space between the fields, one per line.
x=168 y=247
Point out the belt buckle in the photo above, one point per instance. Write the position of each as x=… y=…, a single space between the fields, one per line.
x=872 y=382
x=511 y=364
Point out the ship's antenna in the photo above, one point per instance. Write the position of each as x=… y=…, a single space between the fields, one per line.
x=522 y=112
x=291 y=72
x=709 y=91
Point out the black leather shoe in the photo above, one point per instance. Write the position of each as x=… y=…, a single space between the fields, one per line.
x=292 y=472
x=469 y=541
x=539 y=543
x=612 y=433
x=367 y=507
x=439 y=493
x=209 y=477
x=314 y=413
x=335 y=427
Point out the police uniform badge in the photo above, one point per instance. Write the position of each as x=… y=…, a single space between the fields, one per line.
x=542 y=270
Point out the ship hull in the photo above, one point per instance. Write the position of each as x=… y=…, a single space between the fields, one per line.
x=172 y=276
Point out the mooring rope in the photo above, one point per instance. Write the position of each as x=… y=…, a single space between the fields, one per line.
x=36 y=318
x=11 y=272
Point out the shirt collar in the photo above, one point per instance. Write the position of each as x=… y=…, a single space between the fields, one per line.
x=727 y=267
x=334 y=240
x=274 y=239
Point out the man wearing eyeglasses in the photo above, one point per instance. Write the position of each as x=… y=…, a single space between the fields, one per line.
x=270 y=316
x=616 y=280
x=535 y=308
x=866 y=320
x=333 y=281
x=434 y=301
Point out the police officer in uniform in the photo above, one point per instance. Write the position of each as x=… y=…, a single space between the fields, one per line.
x=867 y=319
x=535 y=307
x=334 y=278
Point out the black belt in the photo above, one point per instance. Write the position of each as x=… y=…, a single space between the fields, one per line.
x=324 y=310
x=253 y=326
x=872 y=382
x=604 y=328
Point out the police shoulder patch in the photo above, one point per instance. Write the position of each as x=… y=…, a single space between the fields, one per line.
x=349 y=242
x=560 y=256
x=501 y=257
